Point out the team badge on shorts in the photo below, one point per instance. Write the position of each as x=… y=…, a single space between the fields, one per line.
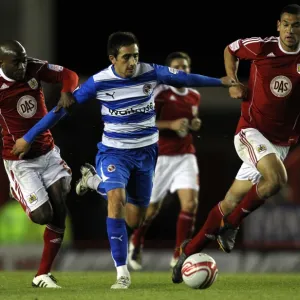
x=111 y=168
x=261 y=148
x=33 y=83
x=32 y=198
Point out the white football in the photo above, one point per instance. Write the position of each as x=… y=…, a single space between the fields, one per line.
x=199 y=271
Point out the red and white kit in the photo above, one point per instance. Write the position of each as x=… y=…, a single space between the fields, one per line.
x=22 y=105
x=177 y=166
x=269 y=121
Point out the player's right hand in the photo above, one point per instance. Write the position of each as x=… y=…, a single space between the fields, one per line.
x=20 y=148
x=179 y=124
x=238 y=92
x=66 y=101
x=228 y=81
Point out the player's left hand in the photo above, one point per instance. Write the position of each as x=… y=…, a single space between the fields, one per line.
x=66 y=101
x=20 y=148
x=195 y=124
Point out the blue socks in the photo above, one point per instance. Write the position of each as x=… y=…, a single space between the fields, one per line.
x=117 y=235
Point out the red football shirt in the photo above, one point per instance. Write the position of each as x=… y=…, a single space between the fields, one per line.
x=273 y=102
x=170 y=104
x=22 y=105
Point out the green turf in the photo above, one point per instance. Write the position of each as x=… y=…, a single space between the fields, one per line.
x=152 y=286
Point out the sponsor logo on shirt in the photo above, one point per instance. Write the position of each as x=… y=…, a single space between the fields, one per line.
x=130 y=111
x=27 y=106
x=281 y=86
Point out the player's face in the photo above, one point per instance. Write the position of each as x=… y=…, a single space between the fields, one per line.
x=126 y=61
x=289 y=31
x=180 y=64
x=14 y=65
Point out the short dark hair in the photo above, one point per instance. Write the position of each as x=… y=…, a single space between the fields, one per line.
x=118 y=40
x=293 y=9
x=176 y=55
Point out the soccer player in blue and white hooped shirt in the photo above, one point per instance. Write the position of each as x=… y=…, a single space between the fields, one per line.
x=127 y=154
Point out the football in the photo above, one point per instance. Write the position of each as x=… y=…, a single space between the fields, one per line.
x=199 y=271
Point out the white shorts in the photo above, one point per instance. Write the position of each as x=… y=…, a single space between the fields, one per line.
x=29 y=179
x=173 y=173
x=251 y=146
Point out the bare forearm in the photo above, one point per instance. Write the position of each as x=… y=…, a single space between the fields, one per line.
x=163 y=125
x=231 y=64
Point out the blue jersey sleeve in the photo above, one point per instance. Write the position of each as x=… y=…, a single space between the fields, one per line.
x=49 y=120
x=85 y=91
x=177 y=78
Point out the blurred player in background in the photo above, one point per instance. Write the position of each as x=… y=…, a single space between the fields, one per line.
x=176 y=169
x=127 y=154
x=41 y=179
x=268 y=126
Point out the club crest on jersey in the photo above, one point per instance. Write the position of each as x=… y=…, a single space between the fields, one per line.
x=56 y=68
x=147 y=89
x=111 y=168
x=298 y=68
x=33 y=83
x=27 y=106
x=261 y=148
x=281 y=86
x=32 y=198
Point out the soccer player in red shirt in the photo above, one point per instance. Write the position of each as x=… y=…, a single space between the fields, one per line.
x=41 y=179
x=268 y=126
x=176 y=169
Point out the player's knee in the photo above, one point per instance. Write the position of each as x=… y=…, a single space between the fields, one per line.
x=273 y=184
x=189 y=206
x=152 y=211
x=43 y=214
x=229 y=203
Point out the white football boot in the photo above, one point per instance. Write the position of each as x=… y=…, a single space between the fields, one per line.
x=87 y=171
x=45 y=281
x=173 y=262
x=122 y=283
x=135 y=257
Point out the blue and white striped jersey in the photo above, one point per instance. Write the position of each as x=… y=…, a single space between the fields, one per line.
x=127 y=105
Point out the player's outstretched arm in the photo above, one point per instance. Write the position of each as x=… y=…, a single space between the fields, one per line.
x=83 y=93
x=22 y=145
x=179 y=78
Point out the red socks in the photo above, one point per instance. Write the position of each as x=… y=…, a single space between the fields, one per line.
x=207 y=232
x=53 y=238
x=184 y=229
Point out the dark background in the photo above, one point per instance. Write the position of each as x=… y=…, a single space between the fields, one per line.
x=201 y=28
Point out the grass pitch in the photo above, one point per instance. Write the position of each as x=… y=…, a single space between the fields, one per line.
x=150 y=285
